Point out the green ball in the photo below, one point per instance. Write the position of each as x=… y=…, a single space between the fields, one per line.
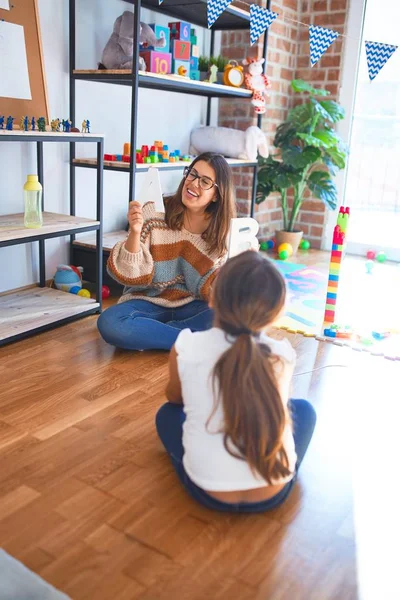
x=304 y=245
x=283 y=254
x=263 y=246
x=381 y=257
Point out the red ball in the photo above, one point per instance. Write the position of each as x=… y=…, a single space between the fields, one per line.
x=371 y=254
x=105 y=291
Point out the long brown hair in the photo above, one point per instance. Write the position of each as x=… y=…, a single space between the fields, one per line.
x=248 y=294
x=221 y=212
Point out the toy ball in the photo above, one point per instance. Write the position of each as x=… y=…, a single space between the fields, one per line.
x=264 y=246
x=369 y=265
x=271 y=244
x=283 y=254
x=381 y=257
x=371 y=254
x=304 y=245
x=84 y=293
x=75 y=289
x=67 y=277
x=285 y=248
x=105 y=292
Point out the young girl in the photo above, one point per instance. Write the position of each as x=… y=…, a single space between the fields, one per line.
x=236 y=444
x=168 y=262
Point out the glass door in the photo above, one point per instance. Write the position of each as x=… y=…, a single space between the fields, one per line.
x=372 y=184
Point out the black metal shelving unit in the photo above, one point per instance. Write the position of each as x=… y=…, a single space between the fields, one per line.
x=194 y=12
x=13 y=232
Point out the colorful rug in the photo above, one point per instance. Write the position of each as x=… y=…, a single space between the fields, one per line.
x=306 y=297
x=367 y=303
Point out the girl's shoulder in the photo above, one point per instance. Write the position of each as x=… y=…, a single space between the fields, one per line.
x=282 y=348
x=196 y=346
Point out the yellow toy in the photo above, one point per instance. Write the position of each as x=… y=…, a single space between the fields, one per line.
x=84 y=292
x=233 y=74
x=285 y=248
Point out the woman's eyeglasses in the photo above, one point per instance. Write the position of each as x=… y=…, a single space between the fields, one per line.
x=205 y=182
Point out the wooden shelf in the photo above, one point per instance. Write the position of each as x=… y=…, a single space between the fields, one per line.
x=12 y=230
x=195 y=12
x=48 y=136
x=27 y=311
x=91 y=163
x=169 y=83
x=108 y=242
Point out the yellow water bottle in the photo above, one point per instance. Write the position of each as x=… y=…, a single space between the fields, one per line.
x=33 y=217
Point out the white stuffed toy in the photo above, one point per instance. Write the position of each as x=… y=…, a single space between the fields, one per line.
x=233 y=143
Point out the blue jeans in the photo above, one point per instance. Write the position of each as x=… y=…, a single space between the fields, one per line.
x=169 y=423
x=141 y=325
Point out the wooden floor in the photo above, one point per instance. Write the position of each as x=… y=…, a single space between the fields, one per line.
x=89 y=501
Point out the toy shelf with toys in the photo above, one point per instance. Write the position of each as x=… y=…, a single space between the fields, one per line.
x=27 y=311
x=158 y=81
x=116 y=165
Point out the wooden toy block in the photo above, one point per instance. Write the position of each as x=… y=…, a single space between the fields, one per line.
x=181 y=67
x=336 y=253
x=157 y=62
x=110 y=157
x=195 y=75
x=160 y=32
x=180 y=30
x=180 y=50
x=193 y=40
x=194 y=63
x=126 y=158
x=195 y=51
x=118 y=157
x=127 y=148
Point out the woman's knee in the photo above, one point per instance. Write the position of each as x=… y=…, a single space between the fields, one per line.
x=303 y=411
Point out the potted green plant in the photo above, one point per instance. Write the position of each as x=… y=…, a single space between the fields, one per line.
x=309 y=154
x=204 y=66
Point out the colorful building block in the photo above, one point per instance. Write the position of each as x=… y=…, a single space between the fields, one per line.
x=194 y=63
x=157 y=62
x=181 y=67
x=195 y=51
x=180 y=50
x=160 y=32
x=180 y=30
x=195 y=75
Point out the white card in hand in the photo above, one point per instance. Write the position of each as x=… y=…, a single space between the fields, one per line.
x=151 y=191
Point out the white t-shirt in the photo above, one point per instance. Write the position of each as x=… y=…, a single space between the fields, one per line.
x=205 y=459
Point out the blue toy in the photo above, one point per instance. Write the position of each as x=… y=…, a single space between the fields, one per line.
x=1 y=122
x=10 y=123
x=33 y=123
x=68 y=277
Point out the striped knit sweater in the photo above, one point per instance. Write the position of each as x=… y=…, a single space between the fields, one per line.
x=171 y=269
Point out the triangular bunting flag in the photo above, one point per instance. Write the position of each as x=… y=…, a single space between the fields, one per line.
x=377 y=56
x=260 y=20
x=215 y=8
x=160 y=2
x=320 y=40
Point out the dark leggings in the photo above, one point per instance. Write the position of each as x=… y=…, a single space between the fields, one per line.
x=169 y=423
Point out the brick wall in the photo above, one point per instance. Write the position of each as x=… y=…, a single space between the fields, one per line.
x=288 y=58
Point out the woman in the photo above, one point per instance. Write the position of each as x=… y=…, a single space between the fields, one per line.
x=234 y=444
x=168 y=263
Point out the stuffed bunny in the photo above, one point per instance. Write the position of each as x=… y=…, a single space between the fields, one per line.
x=118 y=51
x=257 y=82
x=233 y=143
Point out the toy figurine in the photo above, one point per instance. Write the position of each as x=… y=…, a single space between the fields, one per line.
x=41 y=124
x=212 y=74
x=87 y=126
x=257 y=82
x=10 y=123
x=26 y=123
x=1 y=122
x=68 y=126
x=33 y=124
x=55 y=124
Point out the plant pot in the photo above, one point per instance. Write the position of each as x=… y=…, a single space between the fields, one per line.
x=203 y=75
x=289 y=237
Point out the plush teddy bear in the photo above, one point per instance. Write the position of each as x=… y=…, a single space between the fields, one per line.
x=233 y=143
x=118 y=51
x=256 y=81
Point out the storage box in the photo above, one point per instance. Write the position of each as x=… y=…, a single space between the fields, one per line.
x=180 y=50
x=159 y=32
x=180 y=30
x=157 y=62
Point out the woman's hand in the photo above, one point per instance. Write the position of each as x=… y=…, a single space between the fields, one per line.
x=135 y=217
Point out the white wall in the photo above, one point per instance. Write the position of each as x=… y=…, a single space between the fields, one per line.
x=162 y=115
